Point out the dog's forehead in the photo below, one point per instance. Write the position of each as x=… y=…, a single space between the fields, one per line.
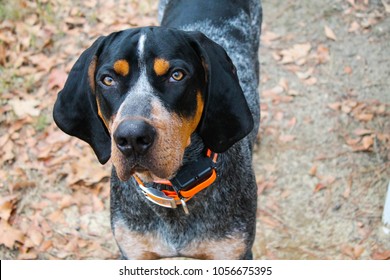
x=145 y=43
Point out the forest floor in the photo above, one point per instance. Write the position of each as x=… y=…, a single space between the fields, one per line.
x=322 y=160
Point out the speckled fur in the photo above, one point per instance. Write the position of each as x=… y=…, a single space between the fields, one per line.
x=224 y=213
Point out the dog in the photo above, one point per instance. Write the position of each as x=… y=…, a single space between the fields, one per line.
x=176 y=108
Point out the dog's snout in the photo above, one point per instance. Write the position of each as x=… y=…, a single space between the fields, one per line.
x=134 y=137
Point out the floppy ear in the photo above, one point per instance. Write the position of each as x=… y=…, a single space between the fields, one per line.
x=75 y=110
x=226 y=117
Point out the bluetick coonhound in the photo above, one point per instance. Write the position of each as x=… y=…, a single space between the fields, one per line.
x=176 y=108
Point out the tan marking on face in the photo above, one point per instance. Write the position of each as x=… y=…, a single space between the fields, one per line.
x=106 y=123
x=190 y=125
x=91 y=73
x=122 y=67
x=137 y=246
x=161 y=66
x=231 y=248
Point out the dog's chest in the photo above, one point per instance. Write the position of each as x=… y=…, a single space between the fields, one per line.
x=151 y=245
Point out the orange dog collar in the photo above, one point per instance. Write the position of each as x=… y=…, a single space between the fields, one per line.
x=190 y=180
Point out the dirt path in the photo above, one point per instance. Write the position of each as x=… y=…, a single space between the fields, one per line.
x=322 y=161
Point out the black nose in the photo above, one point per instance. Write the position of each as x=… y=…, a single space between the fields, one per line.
x=134 y=137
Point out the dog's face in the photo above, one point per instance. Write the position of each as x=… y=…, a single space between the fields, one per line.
x=150 y=95
x=138 y=96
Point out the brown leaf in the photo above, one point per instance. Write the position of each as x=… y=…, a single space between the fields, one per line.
x=319 y=187
x=57 y=78
x=267 y=37
x=347 y=250
x=348 y=188
x=366 y=117
x=22 y=108
x=322 y=54
x=352 y=141
x=269 y=221
x=354 y=27
x=313 y=170
x=311 y=81
x=362 y=132
x=295 y=53
x=367 y=141
x=284 y=84
x=381 y=255
x=286 y=138
x=35 y=236
x=9 y=235
x=22 y=185
x=329 y=33
x=292 y=122
x=335 y=106
x=3 y=54
x=358 y=251
x=7 y=205
x=348 y=70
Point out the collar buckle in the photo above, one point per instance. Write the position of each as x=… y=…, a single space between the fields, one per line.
x=190 y=180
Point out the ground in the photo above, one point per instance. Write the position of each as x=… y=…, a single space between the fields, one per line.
x=322 y=157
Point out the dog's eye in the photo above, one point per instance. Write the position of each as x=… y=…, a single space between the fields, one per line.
x=177 y=76
x=108 y=81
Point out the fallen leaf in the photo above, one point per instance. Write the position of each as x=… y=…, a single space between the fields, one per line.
x=269 y=221
x=319 y=187
x=362 y=131
x=7 y=205
x=267 y=37
x=322 y=54
x=381 y=255
x=35 y=236
x=28 y=256
x=335 y=106
x=354 y=27
x=284 y=84
x=358 y=251
x=352 y=141
x=348 y=188
x=348 y=70
x=286 y=138
x=329 y=33
x=367 y=141
x=292 y=122
x=366 y=117
x=23 y=108
x=295 y=53
x=310 y=81
x=386 y=4
x=293 y=92
x=313 y=170
x=9 y=235
x=22 y=185
x=57 y=78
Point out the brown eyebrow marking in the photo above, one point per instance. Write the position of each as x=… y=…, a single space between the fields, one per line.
x=122 y=67
x=161 y=66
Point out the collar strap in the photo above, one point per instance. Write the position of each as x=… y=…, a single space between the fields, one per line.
x=190 y=180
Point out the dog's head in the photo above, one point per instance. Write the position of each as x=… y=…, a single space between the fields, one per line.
x=138 y=95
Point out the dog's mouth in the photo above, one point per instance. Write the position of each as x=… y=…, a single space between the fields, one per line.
x=147 y=172
x=138 y=169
